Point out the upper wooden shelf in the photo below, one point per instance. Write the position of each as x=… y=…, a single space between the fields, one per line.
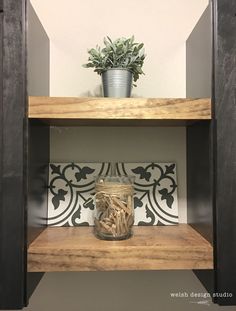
x=92 y=108
x=150 y=248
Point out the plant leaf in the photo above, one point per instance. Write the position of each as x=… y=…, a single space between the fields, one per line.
x=120 y=53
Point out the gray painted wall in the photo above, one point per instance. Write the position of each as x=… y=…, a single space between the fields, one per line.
x=38 y=56
x=198 y=58
x=116 y=291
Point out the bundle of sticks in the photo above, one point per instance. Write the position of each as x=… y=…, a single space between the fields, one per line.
x=114 y=203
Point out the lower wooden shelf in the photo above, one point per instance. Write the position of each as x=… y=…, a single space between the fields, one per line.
x=150 y=248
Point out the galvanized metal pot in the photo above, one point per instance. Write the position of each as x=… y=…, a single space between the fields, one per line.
x=117 y=82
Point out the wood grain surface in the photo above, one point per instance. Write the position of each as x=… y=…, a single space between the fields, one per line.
x=119 y=108
x=150 y=248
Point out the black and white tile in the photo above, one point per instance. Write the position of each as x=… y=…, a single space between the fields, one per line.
x=155 y=199
x=71 y=187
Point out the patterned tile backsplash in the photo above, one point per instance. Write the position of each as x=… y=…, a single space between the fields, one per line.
x=71 y=187
x=155 y=188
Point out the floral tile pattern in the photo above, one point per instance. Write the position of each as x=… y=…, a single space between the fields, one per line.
x=155 y=199
x=71 y=187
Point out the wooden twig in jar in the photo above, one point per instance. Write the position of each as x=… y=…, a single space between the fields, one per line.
x=114 y=203
x=121 y=205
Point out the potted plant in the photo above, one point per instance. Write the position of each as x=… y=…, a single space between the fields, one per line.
x=119 y=63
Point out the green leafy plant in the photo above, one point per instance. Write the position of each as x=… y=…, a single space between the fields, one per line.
x=120 y=53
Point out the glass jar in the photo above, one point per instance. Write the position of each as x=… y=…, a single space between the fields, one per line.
x=114 y=216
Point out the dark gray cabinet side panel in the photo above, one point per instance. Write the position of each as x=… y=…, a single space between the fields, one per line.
x=37 y=178
x=38 y=51
x=1 y=144
x=225 y=115
x=200 y=188
x=200 y=138
x=1 y=102
x=13 y=155
x=199 y=178
x=38 y=58
x=37 y=190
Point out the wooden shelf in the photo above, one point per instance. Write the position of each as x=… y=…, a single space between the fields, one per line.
x=57 y=109
x=150 y=248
